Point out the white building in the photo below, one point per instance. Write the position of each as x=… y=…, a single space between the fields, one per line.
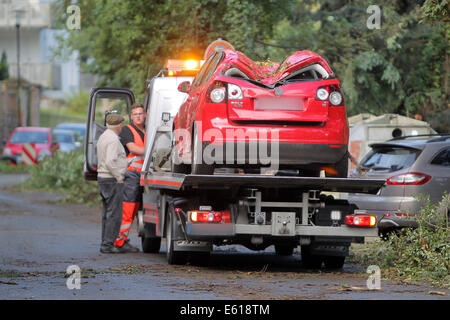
x=37 y=43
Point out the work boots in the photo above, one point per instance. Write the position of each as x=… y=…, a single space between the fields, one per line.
x=128 y=247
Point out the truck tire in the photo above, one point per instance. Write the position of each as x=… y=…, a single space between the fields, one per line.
x=334 y=262
x=197 y=165
x=310 y=261
x=284 y=249
x=150 y=245
x=173 y=257
x=199 y=258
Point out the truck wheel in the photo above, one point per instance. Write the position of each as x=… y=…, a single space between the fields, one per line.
x=284 y=250
x=310 y=261
x=198 y=167
x=150 y=245
x=334 y=262
x=173 y=257
x=199 y=258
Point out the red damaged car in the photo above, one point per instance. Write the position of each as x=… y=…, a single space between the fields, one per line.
x=252 y=115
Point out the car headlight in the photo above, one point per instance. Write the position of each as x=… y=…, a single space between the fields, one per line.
x=7 y=152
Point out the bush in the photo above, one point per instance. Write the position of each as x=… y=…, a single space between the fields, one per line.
x=64 y=173
x=422 y=253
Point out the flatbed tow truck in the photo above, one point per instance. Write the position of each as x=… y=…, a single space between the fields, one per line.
x=194 y=212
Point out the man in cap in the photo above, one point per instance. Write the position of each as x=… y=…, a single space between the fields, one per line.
x=112 y=164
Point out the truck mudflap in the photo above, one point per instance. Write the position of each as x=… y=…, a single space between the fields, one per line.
x=205 y=230
x=175 y=181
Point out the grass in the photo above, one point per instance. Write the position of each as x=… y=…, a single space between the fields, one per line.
x=7 y=168
x=413 y=255
x=63 y=173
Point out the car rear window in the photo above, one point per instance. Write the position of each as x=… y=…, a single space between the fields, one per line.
x=29 y=137
x=442 y=159
x=64 y=137
x=390 y=159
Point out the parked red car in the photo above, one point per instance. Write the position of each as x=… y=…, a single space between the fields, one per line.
x=43 y=140
x=241 y=113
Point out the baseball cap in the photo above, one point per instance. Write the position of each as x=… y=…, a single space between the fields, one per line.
x=114 y=119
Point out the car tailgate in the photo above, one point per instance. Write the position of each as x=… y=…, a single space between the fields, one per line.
x=294 y=102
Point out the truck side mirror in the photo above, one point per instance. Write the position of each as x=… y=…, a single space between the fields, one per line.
x=185 y=87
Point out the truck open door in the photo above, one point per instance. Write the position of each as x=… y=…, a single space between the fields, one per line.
x=103 y=101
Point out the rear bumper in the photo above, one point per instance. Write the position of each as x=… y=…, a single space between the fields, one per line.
x=259 y=153
x=230 y=230
x=395 y=207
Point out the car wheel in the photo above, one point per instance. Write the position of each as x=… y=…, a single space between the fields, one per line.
x=173 y=257
x=341 y=168
x=176 y=165
x=197 y=165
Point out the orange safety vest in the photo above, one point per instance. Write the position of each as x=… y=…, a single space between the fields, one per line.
x=135 y=162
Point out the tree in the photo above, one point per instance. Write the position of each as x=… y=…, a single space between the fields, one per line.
x=124 y=41
x=397 y=68
x=4 y=68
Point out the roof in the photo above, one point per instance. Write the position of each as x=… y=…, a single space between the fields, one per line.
x=388 y=119
x=32 y=129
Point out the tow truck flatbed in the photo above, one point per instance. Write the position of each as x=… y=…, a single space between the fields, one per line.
x=177 y=181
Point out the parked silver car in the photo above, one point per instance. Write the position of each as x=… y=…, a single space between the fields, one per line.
x=412 y=166
x=67 y=139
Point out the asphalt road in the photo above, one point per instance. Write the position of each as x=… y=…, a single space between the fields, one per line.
x=40 y=238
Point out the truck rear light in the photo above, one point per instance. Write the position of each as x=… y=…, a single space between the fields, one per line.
x=409 y=178
x=361 y=220
x=210 y=216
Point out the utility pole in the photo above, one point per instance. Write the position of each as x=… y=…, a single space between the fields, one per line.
x=18 y=13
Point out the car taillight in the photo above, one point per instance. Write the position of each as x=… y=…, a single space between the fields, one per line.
x=234 y=92
x=409 y=178
x=322 y=94
x=361 y=220
x=331 y=93
x=335 y=98
x=216 y=93
x=210 y=216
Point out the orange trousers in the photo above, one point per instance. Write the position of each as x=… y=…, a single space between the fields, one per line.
x=132 y=199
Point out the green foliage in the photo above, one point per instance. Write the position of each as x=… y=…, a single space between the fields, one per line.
x=7 y=167
x=4 y=68
x=77 y=103
x=403 y=67
x=64 y=173
x=122 y=40
x=416 y=254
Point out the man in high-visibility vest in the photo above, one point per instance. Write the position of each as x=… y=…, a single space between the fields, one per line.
x=133 y=139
